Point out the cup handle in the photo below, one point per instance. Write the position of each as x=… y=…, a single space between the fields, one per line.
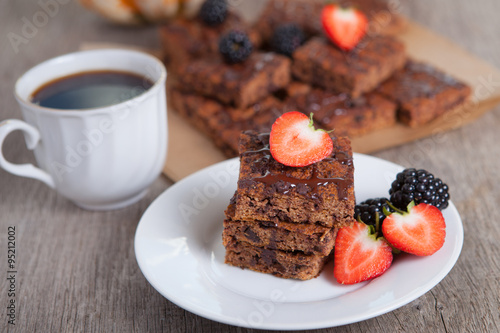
x=32 y=138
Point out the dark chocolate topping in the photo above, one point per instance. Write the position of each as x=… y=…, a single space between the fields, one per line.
x=284 y=183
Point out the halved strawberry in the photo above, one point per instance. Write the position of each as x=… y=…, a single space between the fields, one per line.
x=420 y=231
x=359 y=254
x=344 y=26
x=295 y=142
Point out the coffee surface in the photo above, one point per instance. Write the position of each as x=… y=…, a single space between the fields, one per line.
x=88 y=90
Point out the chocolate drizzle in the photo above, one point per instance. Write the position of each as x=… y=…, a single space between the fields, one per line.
x=342 y=157
x=283 y=183
x=312 y=183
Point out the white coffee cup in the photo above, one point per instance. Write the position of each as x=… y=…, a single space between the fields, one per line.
x=101 y=158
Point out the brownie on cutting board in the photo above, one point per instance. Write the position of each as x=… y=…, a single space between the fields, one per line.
x=344 y=115
x=224 y=124
x=240 y=85
x=184 y=40
x=423 y=93
x=320 y=63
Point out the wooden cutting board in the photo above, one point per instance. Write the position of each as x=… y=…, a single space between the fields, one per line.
x=190 y=151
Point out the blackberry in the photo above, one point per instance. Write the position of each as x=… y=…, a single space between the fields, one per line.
x=235 y=46
x=287 y=38
x=366 y=211
x=213 y=12
x=420 y=186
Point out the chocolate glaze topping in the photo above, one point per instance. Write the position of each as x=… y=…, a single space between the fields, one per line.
x=312 y=183
x=284 y=183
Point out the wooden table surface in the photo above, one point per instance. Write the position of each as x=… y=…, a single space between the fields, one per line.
x=76 y=269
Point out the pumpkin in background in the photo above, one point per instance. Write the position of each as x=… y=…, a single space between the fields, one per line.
x=142 y=11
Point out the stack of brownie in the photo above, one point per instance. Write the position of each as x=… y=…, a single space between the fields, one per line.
x=366 y=89
x=283 y=220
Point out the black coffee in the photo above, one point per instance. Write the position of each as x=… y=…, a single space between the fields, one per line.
x=89 y=90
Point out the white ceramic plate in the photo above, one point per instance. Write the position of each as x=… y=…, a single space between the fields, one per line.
x=179 y=249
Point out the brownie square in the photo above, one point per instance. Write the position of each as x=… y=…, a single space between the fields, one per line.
x=322 y=193
x=284 y=236
x=184 y=40
x=241 y=84
x=423 y=93
x=224 y=124
x=284 y=264
x=320 y=63
x=307 y=14
x=345 y=115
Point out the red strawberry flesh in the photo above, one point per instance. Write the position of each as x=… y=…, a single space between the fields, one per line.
x=295 y=142
x=359 y=256
x=422 y=231
x=344 y=26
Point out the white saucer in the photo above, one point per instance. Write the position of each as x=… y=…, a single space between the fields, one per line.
x=179 y=249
